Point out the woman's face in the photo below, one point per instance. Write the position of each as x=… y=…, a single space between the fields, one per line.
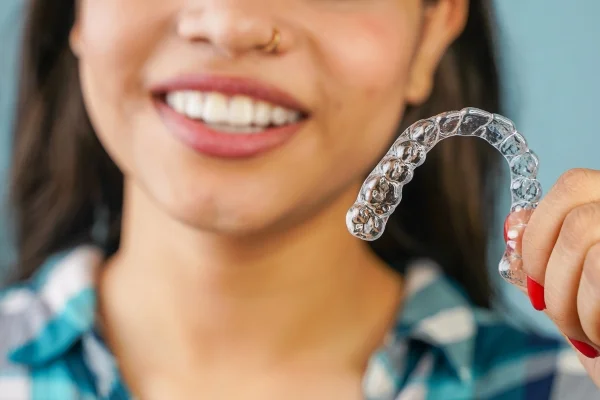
x=228 y=137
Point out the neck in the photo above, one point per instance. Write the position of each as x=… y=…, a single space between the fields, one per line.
x=265 y=296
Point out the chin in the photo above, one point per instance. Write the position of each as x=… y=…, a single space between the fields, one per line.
x=228 y=216
x=233 y=199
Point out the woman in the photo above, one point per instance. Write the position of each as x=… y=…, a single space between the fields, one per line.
x=181 y=177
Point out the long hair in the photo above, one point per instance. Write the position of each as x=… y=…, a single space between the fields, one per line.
x=62 y=178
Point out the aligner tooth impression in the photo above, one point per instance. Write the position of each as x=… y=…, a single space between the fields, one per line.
x=381 y=192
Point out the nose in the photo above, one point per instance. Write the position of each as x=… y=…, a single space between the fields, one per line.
x=232 y=29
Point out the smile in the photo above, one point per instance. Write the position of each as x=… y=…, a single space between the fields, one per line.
x=231 y=114
x=228 y=117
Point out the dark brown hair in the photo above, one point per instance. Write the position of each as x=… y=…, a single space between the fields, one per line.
x=63 y=182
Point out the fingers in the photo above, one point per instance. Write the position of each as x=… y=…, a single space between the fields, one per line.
x=579 y=233
x=588 y=296
x=561 y=258
x=575 y=188
x=591 y=365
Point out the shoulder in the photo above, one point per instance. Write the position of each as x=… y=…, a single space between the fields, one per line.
x=42 y=318
x=477 y=351
x=515 y=364
x=14 y=377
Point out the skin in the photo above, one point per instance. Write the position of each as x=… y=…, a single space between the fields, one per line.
x=268 y=290
x=561 y=251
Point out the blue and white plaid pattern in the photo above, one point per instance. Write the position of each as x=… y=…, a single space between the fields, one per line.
x=442 y=348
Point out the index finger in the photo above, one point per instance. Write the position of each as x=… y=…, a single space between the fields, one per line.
x=573 y=189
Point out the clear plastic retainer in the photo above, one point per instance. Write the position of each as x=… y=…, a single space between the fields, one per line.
x=382 y=190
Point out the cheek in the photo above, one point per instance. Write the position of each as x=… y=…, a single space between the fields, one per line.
x=122 y=31
x=366 y=59
x=372 y=52
x=115 y=40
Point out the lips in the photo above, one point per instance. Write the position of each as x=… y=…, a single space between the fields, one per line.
x=228 y=117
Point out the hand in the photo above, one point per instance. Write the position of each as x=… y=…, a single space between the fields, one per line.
x=561 y=257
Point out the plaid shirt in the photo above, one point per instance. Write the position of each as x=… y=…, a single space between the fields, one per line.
x=442 y=348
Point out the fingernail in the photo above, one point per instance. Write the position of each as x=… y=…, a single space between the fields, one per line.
x=536 y=294
x=584 y=348
x=506 y=227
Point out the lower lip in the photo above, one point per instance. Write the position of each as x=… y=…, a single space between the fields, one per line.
x=208 y=141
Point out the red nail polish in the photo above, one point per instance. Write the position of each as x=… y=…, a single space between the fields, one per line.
x=536 y=294
x=506 y=229
x=584 y=348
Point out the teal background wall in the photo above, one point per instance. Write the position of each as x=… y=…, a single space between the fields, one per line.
x=10 y=23
x=550 y=59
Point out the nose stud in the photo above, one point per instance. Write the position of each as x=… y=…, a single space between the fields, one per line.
x=273 y=44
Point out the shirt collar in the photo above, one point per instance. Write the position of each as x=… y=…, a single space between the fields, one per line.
x=438 y=313
x=60 y=303
x=55 y=308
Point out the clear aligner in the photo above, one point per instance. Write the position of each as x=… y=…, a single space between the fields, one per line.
x=382 y=190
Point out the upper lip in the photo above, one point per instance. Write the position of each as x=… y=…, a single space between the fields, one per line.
x=231 y=86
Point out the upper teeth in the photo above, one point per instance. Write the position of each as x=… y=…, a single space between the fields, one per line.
x=236 y=111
